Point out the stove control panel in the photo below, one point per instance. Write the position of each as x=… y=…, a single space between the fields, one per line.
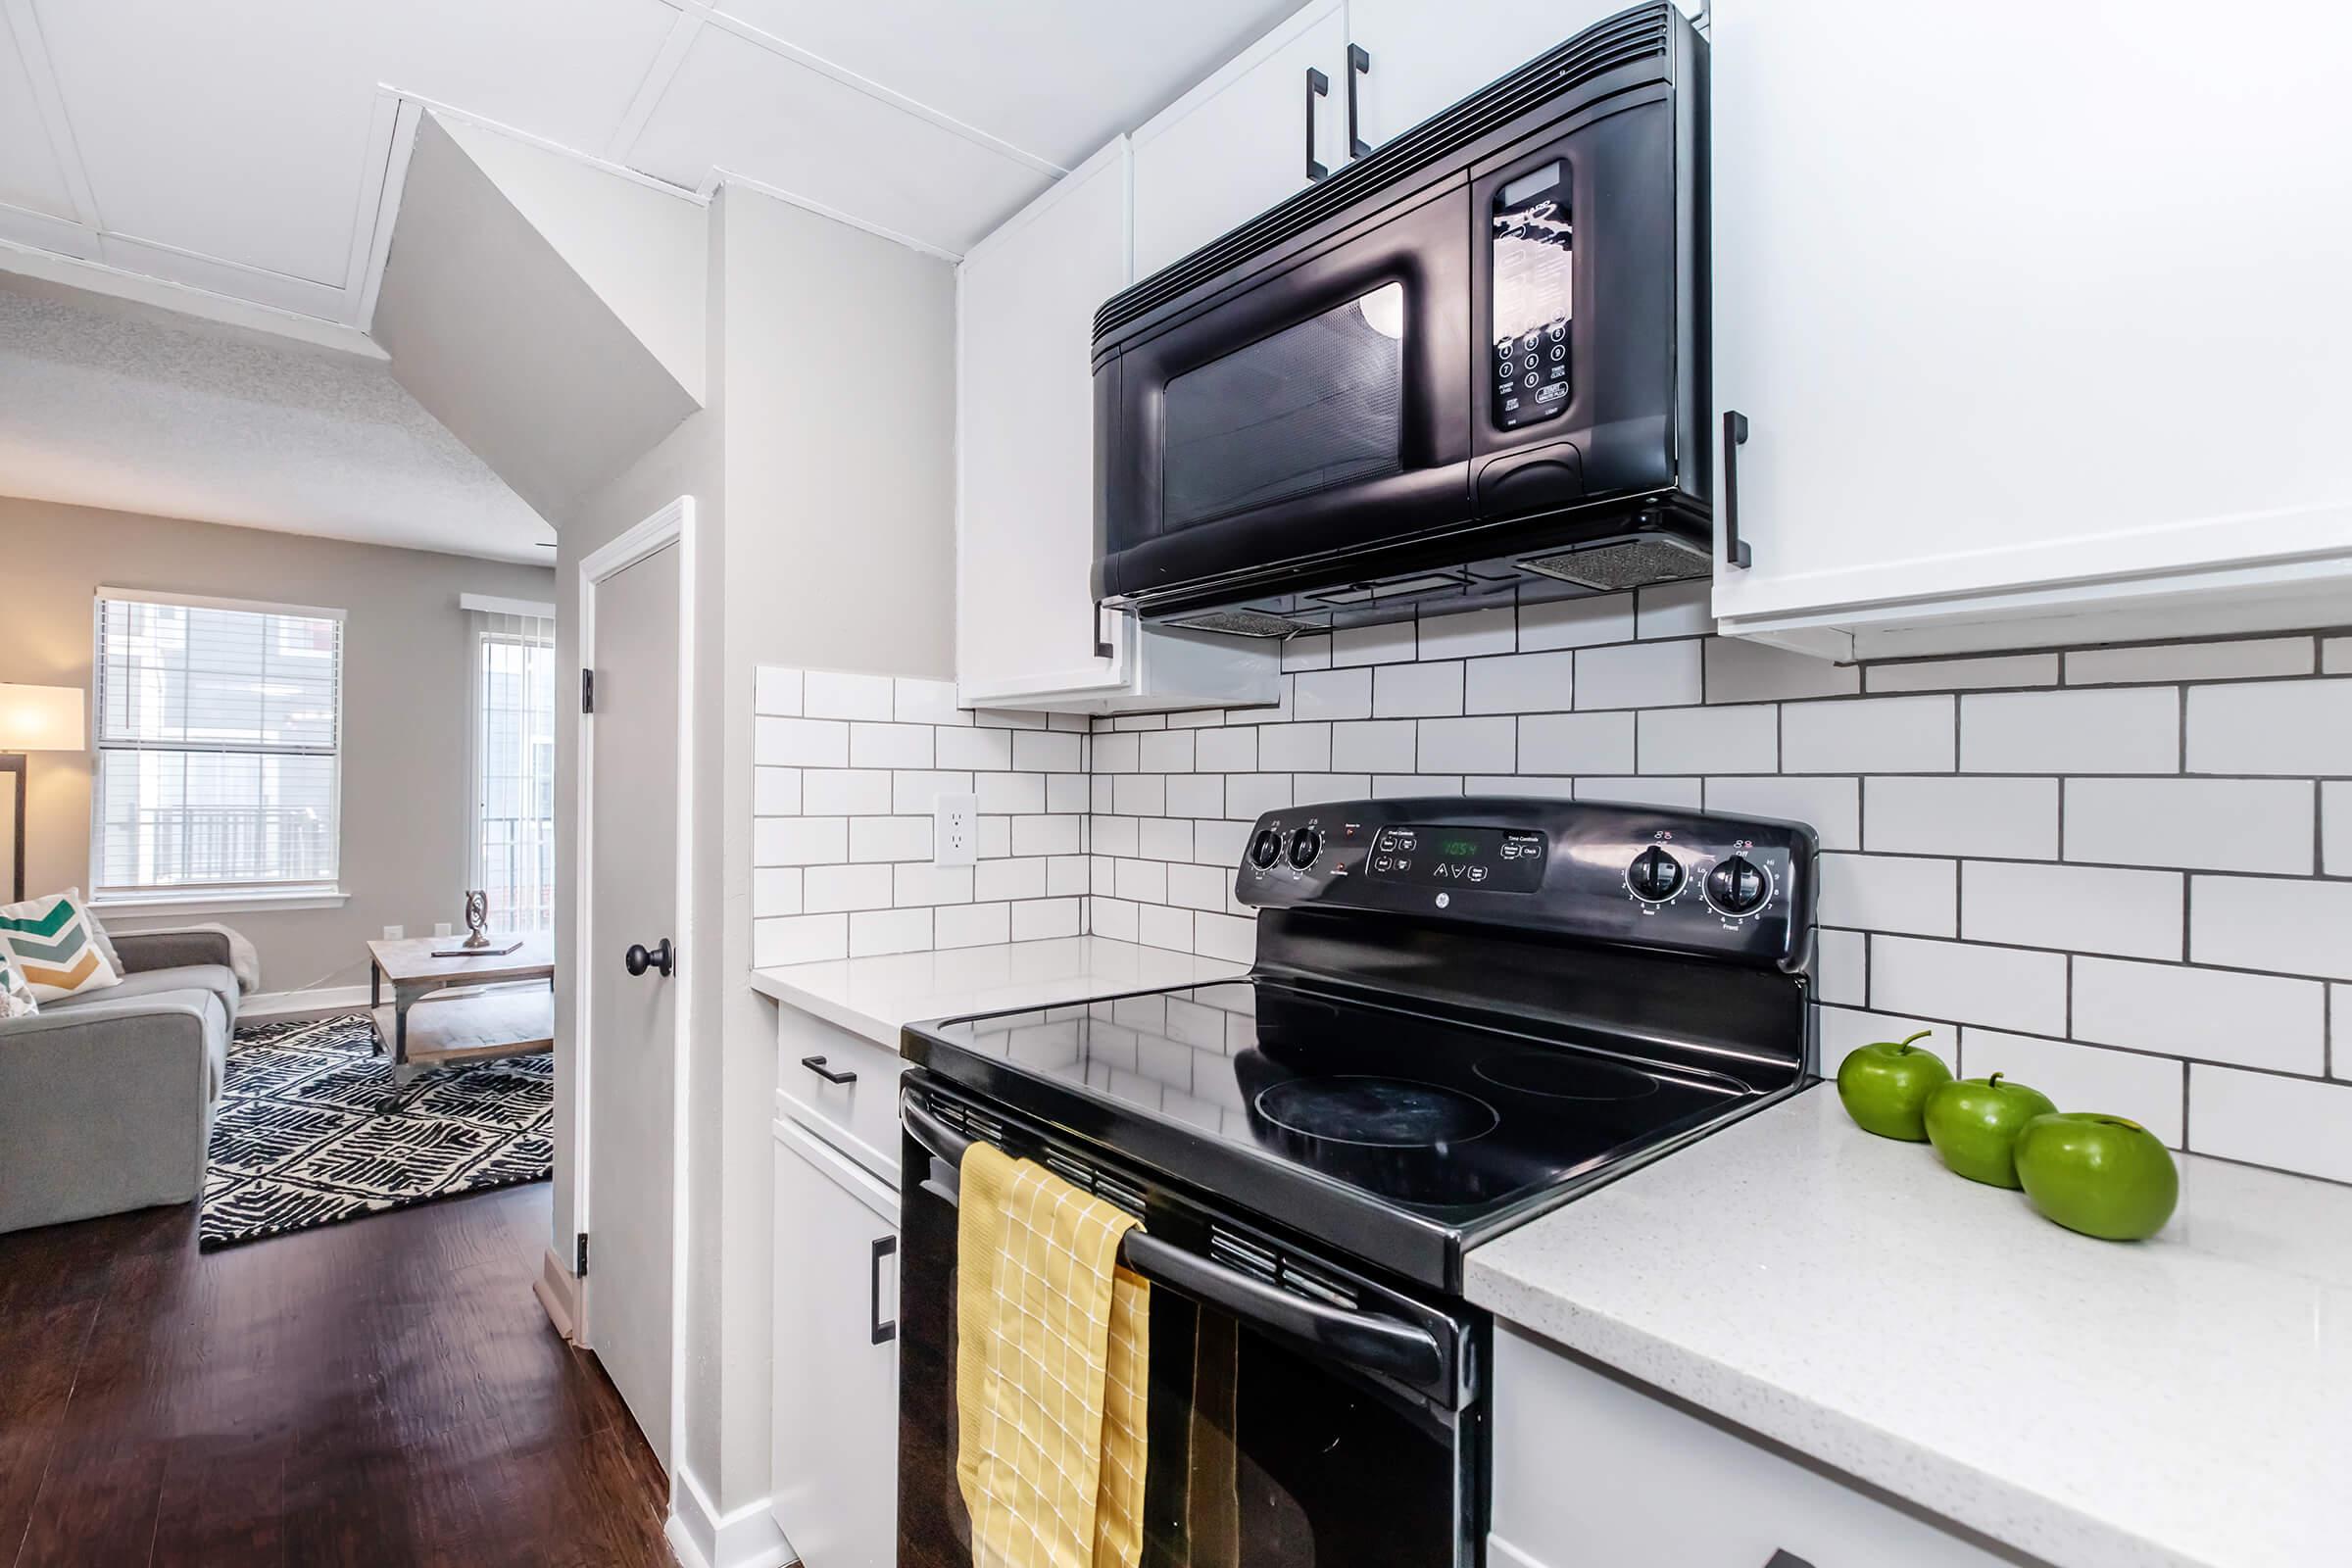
x=1727 y=887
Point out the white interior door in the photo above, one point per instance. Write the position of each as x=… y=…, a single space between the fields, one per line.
x=632 y=880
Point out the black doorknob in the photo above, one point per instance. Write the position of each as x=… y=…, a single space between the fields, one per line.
x=640 y=957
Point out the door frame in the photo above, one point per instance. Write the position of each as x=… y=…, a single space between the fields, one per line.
x=673 y=524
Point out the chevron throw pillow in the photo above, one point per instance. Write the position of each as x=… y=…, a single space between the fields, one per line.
x=52 y=945
x=15 y=997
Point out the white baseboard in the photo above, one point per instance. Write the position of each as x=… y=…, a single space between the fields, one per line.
x=278 y=1006
x=559 y=1293
x=702 y=1536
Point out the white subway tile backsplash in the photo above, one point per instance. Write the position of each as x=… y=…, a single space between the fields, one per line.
x=1742 y=671
x=1469 y=745
x=1309 y=787
x=1999 y=817
x=1868 y=735
x=1577 y=743
x=1110 y=917
x=2076 y=1077
x=825 y=889
x=1163 y=838
x=1710 y=740
x=1416 y=691
x=799 y=840
x=844 y=791
x=800 y=743
x=1162 y=925
x=996 y=837
x=799 y=939
x=1065 y=875
x=1199 y=887
x=1397 y=786
x=2335 y=656
x=890 y=838
x=2291 y=1123
x=1371 y=746
x=915 y=791
x=1050 y=752
x=2203 y=824
x=2335 y=829
x=1896 y=893
x=1067 y=792
x=999 y=881
x=1321 y=695
x=2292 y=728
x=1542 y=789
x=1840 y=969
x=1675 y=610
x=1120 y=753
x=1966 y=674
x=2183 y=662
x=832 y=694
x=1140 y=881
x=1639 y=675
x=1310 y=650
x=921 y=882
x=971 y=925
x=2275 y=923
x=1293 y=747
x=1253 y=795
x=1845 y=1030
x=889 y=745
x=1677 y=794
x=1117 y=835
x=2251 y=1020
x=1522 y=683
x=1037 y=919
x=1005 y=794
x=2118 y=731
x=1576 y=623
x=1220 y=842
x=2003 y=988
x=1045 y=835
x=776 y=791
x=927 y=702
x=1167 y=751
x=776 y=692
x=1233 y=938
x=2075 y=908
x=1832 y=806
x=1226 y=751
x=1195 y=795
x=1469 y=633
x=1388 y=644
x=1141 y=794
x=979 y=750
x=874 y=932
x=775 y=890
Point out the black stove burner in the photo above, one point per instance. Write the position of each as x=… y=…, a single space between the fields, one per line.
x=1563 y=1075
x=1376 y=1112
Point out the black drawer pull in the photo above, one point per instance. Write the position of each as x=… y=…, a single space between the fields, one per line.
x=816 y=1065
x=1318 y=85
x=1734 y=552
x=1359 y=64
x=884 y=1333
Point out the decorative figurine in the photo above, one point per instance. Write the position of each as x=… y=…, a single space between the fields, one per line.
x=477 y=920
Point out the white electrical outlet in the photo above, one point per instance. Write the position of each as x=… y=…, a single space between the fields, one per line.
x=955 y=829
x=393 y=933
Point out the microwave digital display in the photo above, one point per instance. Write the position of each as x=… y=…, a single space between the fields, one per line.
x=1534 y=254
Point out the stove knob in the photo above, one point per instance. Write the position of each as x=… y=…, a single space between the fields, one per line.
x=1736 y=887
x=1654 y=875
x=1266 y=848
x=1305 y=845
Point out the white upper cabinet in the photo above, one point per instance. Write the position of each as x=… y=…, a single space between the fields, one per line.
x=1237 y=144
x=1025 y=531
x=1421 y=57
x=2036 y=316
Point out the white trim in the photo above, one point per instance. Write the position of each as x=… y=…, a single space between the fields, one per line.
x=185 y=299
x=673 y=524
x=387 y=180
x=719 y=175
x=49 y=100
x=492 y=605
x=657 y=76
x=318 y=1003
x=703 y=1538
x=556 y=1287
x=250 y=607
x=217 y=901
x=448 y=110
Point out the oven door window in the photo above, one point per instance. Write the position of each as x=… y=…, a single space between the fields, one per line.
x=1260 y=1454
x=1314 y=407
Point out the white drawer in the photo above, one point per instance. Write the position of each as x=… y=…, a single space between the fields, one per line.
x=859 y=1117
x=1591 y=1472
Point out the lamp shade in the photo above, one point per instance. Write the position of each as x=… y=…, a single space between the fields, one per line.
x=42 y=718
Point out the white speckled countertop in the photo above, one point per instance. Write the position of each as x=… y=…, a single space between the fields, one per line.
x=878 y=997
x=2186 y=1400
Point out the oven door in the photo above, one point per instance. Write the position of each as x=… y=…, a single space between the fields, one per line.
x=1319 y=407
x=1286 y=1428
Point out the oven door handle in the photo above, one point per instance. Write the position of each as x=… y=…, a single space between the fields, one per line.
x=1367 y=1339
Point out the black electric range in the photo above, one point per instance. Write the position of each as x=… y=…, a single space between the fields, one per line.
x=1463 y=1013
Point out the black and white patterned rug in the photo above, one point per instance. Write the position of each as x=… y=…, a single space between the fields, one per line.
x=299 y=1140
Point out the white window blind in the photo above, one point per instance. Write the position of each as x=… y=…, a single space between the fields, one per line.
x=220 y=734
x=514 y=838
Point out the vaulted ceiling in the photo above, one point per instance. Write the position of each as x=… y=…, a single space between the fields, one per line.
x=253 y=150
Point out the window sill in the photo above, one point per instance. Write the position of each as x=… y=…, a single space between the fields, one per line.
x=220 y=900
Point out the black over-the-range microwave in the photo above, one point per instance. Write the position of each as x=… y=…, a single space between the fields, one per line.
x=1470 y=365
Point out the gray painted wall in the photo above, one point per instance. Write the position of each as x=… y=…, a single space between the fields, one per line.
x=405 y=678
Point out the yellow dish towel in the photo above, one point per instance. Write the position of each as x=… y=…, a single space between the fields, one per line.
x=1053 y=1345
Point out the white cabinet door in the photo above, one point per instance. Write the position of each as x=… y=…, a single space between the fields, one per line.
x=2028 y=306
x=1237 y=144
x=1588 y=1470
x=834 y=1462
x=1425 y=57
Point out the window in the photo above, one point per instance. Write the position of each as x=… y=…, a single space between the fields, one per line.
x=220 y=735
x=513 y=854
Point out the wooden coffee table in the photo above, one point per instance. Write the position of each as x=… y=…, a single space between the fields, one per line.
x=454 y=1019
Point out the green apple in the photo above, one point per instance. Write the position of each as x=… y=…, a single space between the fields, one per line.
x=2100 y=1175
x=1886 y=1087
x=1974 y=1123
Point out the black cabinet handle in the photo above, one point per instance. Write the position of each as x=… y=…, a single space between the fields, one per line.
x=1318 y=85
x=641 y=958
x=1105 y=647
x=1734 y=553
x=884 y=1333
x=1786 y=1559
x=1359 y=64
x=816 y=1065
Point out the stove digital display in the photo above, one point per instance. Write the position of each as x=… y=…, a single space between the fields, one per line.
x=1488 y=859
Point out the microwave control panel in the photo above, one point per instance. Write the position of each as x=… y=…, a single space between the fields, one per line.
x=1532 y=247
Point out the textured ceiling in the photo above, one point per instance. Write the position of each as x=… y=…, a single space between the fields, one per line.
x=105 y=405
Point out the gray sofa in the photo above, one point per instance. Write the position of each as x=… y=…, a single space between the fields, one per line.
x=106 y=1099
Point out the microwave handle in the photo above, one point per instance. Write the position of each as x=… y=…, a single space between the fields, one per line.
x=1735 y=435
x=1318 y=85
x=1367 y=1339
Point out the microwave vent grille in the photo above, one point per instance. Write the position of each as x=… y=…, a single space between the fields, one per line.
x=1633 y=563
x=1628 y=38
x=1237 y=624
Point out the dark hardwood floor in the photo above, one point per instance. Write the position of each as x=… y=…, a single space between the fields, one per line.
x=384 y=1393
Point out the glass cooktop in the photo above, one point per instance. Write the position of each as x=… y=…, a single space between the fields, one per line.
x=1438 y=1116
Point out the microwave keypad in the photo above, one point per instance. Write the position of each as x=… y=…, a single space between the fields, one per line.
x=1534 y=255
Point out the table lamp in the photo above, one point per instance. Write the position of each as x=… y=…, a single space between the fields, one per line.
x=34 y=718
